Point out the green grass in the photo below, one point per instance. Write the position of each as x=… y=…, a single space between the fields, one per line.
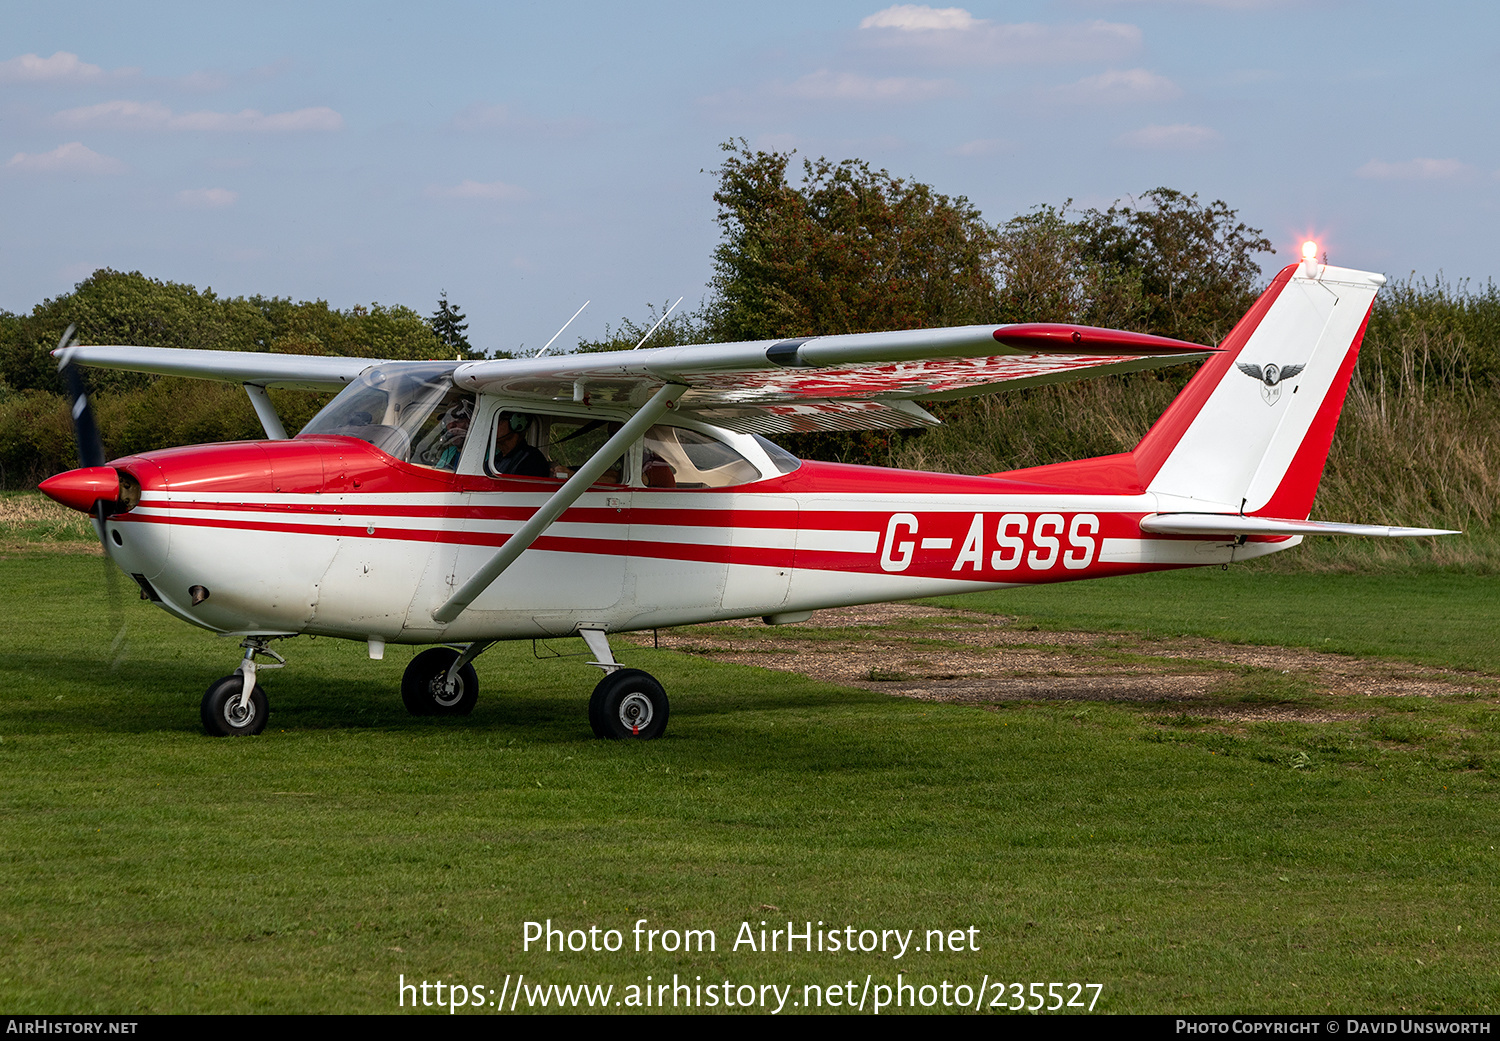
x=1186 y=865
x=1441 y=618
x=29 y=519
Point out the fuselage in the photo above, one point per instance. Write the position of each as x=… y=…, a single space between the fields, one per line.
x=329 y=535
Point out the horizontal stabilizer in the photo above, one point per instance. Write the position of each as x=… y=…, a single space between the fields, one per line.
x=1234 y=524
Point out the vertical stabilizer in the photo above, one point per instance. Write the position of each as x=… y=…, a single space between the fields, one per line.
x=1250 y=432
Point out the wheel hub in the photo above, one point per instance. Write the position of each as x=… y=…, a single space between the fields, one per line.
x=239 y=712
x=445 y=692
x=635 y=711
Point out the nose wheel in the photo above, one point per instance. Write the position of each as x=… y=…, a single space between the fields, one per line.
x=236 y=705
x=629 y=703
x=228 y=713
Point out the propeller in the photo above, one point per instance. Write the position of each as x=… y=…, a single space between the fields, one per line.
x=85 y=430
x=91 y=454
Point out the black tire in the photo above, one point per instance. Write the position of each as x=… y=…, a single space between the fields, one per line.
x=423 y=685
x=629 y=703
x=221 y=717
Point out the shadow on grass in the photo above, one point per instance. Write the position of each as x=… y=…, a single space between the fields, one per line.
x=335 y=691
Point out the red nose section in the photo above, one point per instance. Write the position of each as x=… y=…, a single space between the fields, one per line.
x=80 y=489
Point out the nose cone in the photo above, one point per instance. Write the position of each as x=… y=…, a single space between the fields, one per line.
x=81 y=488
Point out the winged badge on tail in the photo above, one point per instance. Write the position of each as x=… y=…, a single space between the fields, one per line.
x=1272 y=376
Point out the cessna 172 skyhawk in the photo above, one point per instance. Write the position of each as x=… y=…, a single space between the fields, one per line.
x=463 y=503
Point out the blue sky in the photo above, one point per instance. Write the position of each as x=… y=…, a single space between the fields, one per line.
x=527 y=157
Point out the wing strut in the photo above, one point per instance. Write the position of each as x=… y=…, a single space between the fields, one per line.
x=265 y=411
x=561 y=499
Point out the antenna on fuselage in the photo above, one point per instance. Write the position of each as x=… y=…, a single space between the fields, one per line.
x=559 y=332
x=655 y=327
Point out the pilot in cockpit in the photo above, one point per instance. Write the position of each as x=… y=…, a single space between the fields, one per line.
x=512 y=454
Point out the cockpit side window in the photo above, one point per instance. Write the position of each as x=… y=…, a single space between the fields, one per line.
x=571 y=441
x=513 y=448
x=529 y=445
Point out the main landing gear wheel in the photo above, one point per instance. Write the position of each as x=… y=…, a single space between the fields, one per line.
x=628 y=703
x=224 y=716
x=425 y=689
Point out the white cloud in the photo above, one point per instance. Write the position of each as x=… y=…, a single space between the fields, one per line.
x=1227 y=5
x=204 y=82
x=153 y=115
x=1414 y=170
x=207 y=198
x=74 y=157
x=497 y=191
x=1115 y=87
x=825 y=85
x=62 y=67
x=983 y=146
x=1173 y=136
x=481 y=118
x=951 y=35
x=915 y=17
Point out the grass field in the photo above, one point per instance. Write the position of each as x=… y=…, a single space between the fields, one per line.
x=1437 y=617
x=1187 y=866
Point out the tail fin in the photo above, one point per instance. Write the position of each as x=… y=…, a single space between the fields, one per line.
x=1250 y=432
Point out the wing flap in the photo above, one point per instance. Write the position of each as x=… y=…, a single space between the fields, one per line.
x=804 y=417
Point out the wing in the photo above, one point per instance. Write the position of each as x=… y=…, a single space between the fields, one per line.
x=862 y=381
x=858 y=381
x=1288 y=371
x=296 y=371
x=1253 y=371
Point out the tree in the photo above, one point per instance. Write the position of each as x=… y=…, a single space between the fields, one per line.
x=138 y=411
x=1195 y=264
x=449 y=325
x=1045 y=274
x=850 y=250
x=680 y=327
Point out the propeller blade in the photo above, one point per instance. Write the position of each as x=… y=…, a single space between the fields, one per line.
x=85 y=430
x=120 y=647
x=91 y=454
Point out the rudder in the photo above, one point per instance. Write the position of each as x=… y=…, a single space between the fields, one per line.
x=1251 y=431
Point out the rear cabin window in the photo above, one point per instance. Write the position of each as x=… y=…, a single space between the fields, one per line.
x=675 y=457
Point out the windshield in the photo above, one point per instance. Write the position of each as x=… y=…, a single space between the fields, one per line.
x=413 y=413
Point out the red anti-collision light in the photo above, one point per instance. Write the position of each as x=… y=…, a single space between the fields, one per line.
x=80 y=489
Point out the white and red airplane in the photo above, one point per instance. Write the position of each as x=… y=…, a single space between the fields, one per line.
x=460 y=504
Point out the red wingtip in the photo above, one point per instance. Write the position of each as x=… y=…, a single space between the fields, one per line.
x=1085 y=339
x=80 y=489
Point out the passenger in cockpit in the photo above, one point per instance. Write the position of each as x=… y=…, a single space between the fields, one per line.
x=455 y=433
